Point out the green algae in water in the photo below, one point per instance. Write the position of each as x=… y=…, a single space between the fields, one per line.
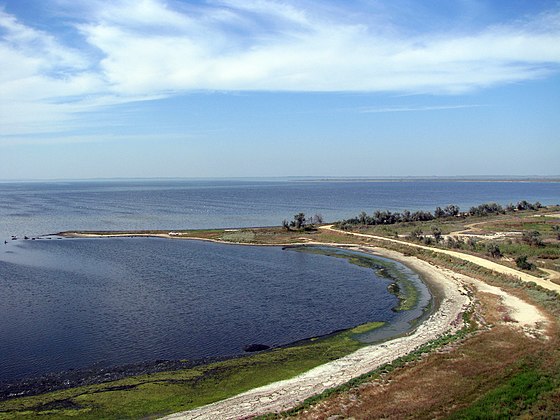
x=402 y=287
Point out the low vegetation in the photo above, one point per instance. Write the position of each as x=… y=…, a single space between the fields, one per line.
x=167 y=392
x=493 y=372
x=504 y=234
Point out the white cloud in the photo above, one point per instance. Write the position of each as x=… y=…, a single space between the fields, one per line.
x=417 y=108
x=154 y=48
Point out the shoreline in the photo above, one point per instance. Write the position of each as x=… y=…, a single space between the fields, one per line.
x=453 y=294
x=93 y=375
x=454 y=300
x=457 y=297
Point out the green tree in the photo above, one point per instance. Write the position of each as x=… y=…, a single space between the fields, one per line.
x=436 y=231
x=299 y=220
x=363 y=217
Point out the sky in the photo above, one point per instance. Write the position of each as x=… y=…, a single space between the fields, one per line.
x=266 y=88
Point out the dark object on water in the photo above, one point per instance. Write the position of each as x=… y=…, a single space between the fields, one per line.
x=25 y=237
x=255 y=347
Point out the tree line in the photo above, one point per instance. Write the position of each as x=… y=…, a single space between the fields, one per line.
x=301 y=222
x=379 y=217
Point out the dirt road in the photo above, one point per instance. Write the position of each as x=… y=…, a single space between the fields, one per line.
x=483 y=262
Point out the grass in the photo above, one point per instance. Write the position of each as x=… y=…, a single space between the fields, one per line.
x=163 y=393
x=511 y=399
x=385 y=369
x=495 y=372
x=498 y=373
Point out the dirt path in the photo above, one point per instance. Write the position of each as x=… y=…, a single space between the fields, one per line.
x=455 y=299
x=467 y=257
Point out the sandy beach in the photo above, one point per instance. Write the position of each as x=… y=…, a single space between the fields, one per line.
x=455 y=295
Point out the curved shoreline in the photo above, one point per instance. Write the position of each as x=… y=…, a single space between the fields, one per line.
x=60 y=380
x=281 y=396
x=452 y=289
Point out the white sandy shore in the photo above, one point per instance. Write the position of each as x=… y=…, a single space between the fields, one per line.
x=453 y=291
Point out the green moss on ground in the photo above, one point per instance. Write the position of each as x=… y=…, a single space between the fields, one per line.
x=155 y=395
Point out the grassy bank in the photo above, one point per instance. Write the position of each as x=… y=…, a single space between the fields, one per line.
x=163 y=393
x=495 y=372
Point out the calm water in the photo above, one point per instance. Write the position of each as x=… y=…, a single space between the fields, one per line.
x=76 y=303
x=39 y=208
x=101 y=302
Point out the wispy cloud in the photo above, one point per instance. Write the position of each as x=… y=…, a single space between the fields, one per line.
x=417 y=108
x=141 y=49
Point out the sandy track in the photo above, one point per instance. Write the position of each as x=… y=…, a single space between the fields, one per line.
x=467 y=257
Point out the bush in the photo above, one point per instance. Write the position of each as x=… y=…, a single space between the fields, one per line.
x=522 y=263
x=532 y=238
x=493 y=250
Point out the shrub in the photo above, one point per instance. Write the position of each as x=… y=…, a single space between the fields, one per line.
x=532 y=238
x=493 y=250
x=522 y=263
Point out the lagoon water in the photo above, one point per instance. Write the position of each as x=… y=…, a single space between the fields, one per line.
x=70 y=304
x=77 y=303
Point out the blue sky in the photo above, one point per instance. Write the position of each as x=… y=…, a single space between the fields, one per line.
x=230 y=88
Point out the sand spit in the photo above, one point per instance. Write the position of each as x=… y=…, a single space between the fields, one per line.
x=453 y=292
x=280 y=396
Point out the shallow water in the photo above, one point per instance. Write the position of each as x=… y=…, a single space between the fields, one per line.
x=67 y=304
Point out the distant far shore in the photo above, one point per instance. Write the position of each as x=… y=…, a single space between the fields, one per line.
x=473 y=178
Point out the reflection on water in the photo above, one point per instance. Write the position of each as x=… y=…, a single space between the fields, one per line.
x=75 y=303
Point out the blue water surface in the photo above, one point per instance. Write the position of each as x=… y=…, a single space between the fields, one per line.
x=35 y=208
x=78 y=303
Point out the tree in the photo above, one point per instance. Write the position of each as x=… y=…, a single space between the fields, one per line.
x=436 y=231
x=556 y=228
x=363 y=217
x=286 y=224
x=299 y=220
x=438 y=213
x=451 y=210
x=315 y=220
